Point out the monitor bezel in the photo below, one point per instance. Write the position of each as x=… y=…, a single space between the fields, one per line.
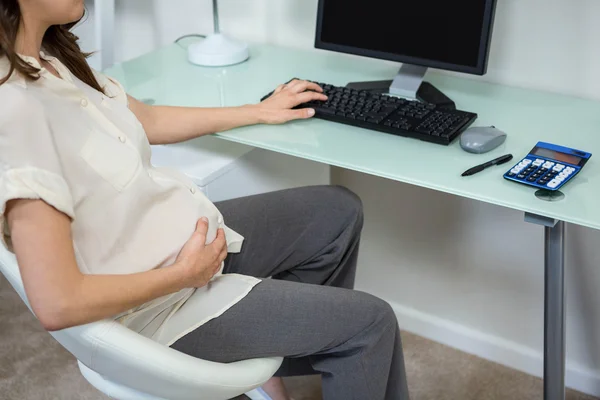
x=482 y=59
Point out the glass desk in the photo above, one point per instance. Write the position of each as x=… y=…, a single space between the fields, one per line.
x=528 y=116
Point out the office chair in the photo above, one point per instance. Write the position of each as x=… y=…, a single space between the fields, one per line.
x=127 y=366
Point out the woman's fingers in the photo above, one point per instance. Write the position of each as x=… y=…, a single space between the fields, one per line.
x=278 y=89
x=302 y=86
x=202 y=229
x=305 y=97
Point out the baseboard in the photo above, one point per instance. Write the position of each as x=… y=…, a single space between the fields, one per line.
x=489 y=347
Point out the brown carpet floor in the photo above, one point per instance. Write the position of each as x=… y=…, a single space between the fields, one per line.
x=34 y=367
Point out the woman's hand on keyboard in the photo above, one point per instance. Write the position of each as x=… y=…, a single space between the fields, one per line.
x=279 y=107
x=201 y=261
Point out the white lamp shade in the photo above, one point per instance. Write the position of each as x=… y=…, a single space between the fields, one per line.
x=218 y=50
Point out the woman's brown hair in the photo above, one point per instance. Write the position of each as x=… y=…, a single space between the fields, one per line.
x=58 y=41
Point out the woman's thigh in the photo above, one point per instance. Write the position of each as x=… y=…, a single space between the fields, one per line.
x=292 y=227
x=286 y=319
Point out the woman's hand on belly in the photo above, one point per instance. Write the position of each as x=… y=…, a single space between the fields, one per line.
x=200 y=261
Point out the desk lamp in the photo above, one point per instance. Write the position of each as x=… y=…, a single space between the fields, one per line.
x=217 y=50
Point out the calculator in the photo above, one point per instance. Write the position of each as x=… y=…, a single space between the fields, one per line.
x=548 y=166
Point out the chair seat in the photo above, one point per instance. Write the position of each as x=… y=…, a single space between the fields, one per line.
x=125 y=365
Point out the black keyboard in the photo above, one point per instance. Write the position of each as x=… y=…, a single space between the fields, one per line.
x=410 y=118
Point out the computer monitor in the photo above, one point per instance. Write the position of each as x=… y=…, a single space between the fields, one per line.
x=449 y=35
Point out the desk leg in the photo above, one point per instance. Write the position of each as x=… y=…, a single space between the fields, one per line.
x=554 y=306
x=554 y=313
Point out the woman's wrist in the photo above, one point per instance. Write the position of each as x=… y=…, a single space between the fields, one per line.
x=255 y=114
x=181 y=276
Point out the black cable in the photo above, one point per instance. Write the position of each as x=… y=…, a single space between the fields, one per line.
x=187 y=36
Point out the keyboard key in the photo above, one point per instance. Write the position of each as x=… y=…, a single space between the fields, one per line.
x=327 y=111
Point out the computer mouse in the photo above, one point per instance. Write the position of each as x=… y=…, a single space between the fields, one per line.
x=481 y=139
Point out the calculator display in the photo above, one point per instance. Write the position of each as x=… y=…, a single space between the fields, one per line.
x=557 y=155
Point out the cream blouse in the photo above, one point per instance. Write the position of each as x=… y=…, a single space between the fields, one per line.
x=87 y=155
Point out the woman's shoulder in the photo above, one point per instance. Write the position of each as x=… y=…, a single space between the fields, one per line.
x=112 y=87
x=18 y=102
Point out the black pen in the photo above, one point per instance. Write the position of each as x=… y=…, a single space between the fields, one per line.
x=500 y=160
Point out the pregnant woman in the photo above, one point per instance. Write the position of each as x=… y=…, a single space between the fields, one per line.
x=100 y=233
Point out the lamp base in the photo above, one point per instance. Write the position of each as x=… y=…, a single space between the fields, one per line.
x=218 y=50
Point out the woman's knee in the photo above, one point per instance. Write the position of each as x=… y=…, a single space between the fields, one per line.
x=344 y=201
x=377 y=311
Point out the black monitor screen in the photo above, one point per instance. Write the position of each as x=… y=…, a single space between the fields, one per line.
x=429 y=32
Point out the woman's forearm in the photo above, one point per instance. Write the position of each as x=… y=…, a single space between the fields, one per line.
x=177 y=124
x=98 y=297
x=165 y=124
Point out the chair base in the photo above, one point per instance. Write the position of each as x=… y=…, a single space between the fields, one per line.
x=258 y=394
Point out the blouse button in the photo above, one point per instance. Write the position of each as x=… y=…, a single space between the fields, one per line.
x=122 y=139
x=220 y=220
x=193 y=190
x=84 y=103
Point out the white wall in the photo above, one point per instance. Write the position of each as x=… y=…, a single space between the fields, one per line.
x=444 y=262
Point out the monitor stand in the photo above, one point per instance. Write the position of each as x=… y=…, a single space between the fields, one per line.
x=409 y=84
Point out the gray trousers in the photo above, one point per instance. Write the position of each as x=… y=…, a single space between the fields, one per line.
x=307 y=240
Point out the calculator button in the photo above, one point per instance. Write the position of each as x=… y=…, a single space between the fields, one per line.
x=538 y=162
x=553 y=184
x=543 y=170
x=511 y=174
x=548 y=164
x=526 y=161
x=558 y=167
x=570 y=170
x=521 y=176
x=563 y=175
x=532 y=179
